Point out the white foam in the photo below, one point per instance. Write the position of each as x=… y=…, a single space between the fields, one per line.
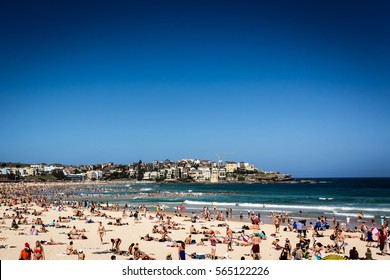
x=191 y=202
x=350 y=214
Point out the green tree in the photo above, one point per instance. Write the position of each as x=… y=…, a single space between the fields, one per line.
x=241 y=179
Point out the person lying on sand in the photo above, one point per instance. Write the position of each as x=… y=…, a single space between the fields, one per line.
x=52 y=242
x=149 y=238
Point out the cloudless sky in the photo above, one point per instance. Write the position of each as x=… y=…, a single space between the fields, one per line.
x=300 y=87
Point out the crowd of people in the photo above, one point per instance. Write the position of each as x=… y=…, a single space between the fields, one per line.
x=210 y=227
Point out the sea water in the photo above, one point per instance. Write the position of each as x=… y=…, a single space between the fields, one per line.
x=341 y=197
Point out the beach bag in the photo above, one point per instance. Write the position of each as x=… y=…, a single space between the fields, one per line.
x=202 y=256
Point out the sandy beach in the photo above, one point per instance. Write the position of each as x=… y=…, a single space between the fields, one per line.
x=55 y=240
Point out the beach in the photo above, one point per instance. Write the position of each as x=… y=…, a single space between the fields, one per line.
x=85 y=217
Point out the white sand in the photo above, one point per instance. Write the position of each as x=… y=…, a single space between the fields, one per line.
x=132 y=232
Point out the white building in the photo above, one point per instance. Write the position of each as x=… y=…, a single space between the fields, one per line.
x=214 y=175
x=154 y=175
x=230 y=166
x=94 y=175
x=222 y=174
x=206 y=174
x=147 y=175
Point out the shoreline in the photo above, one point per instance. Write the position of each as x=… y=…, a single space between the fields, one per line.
x=135 y=182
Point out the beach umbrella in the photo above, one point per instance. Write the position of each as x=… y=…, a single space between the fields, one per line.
x=334 y=257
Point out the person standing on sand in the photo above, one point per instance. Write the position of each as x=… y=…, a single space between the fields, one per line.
x=38 y=251
x=255 y=226
x=101 y=231
x=277 y=224
x=381 y=241
x=340 y=241
x=213 y=243
x=255 y=250
x=229 y=238
x=181 y=251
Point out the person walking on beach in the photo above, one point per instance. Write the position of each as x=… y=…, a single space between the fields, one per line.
x=255 y=250
x=229 y=238
x=340 y=241
x=213 y=243
x=364 y=231
x=381 y=241
x=181 y=251
x=277 y=224
x=369 y=238
x=101 y=232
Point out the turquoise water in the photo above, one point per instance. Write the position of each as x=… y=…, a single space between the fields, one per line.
x=339 y=197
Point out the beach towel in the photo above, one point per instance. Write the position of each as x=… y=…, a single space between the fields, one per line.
x=198 y=256
x=102 y=252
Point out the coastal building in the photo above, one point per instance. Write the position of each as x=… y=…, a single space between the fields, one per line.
x=176 y=173
x=154 y=175
x=39 y=168
x=214 y=175
x=94 y=175
x=196 y=174
x=5 y=171
x=50 y=168
x=147 y=175
x=162 y=174
x=169 y=173
x=205 y=163
x=206 y=174
x=230 y=166
x=249 y=167
x=184 y=172
x=23 y=172
x=131 y=172
x=31 y=172
x=222 y=174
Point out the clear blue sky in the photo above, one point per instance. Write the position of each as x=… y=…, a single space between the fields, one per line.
x=301 y=87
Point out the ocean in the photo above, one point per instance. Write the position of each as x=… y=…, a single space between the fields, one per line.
x=339 y=197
